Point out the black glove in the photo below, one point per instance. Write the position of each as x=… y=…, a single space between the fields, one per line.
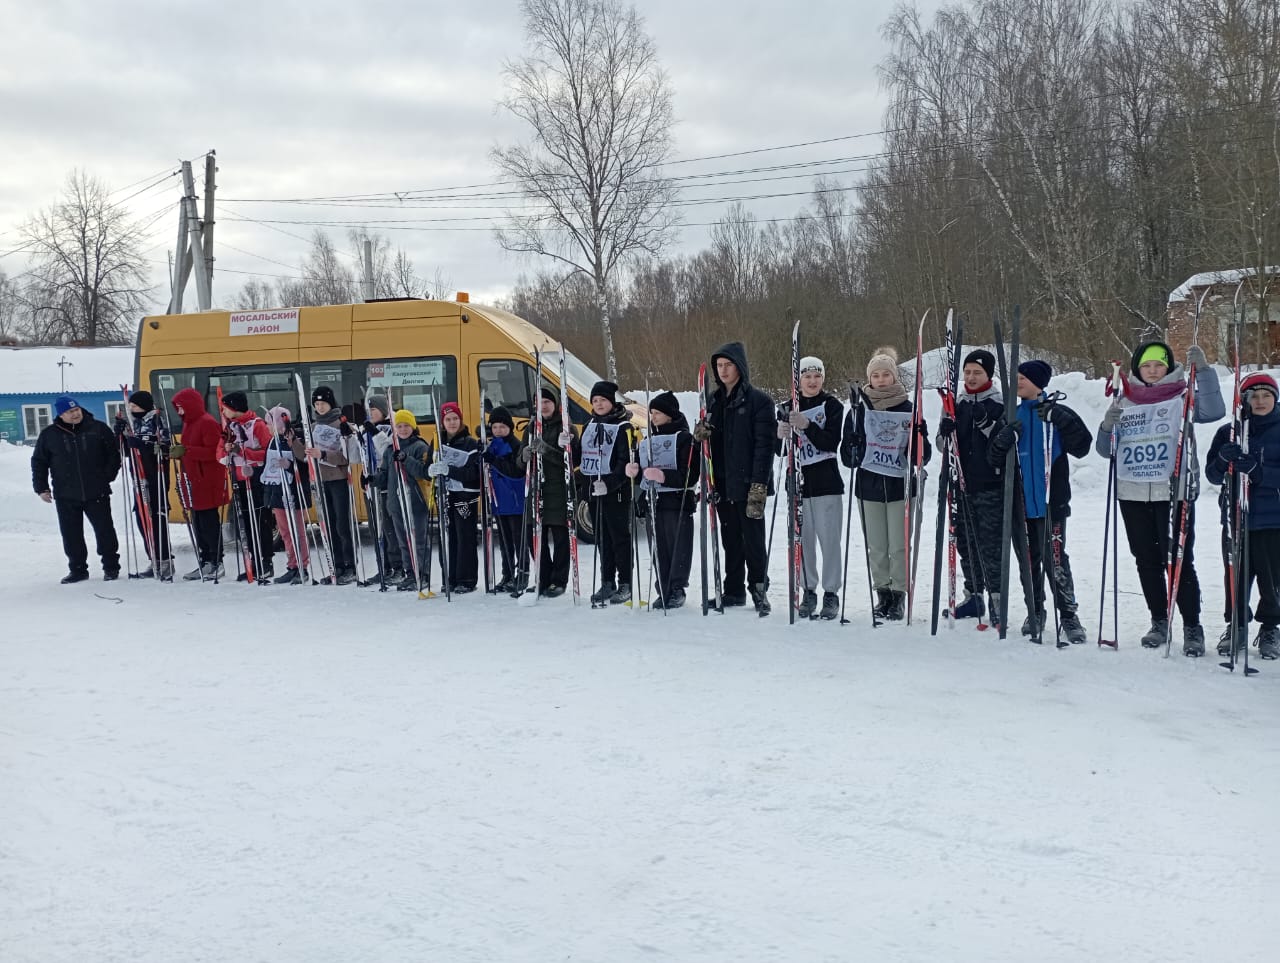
x=1049 y=412
x=400 y=456
x=121 y=425
x=368 y=428
x=946 y=425
x=1243 y=461
x=344 y=429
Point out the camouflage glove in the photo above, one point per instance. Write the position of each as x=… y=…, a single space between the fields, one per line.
x=702 y=431
x=757 y=495
x=178 y=450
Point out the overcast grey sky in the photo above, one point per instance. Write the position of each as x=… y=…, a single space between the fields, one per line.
x=303 y=99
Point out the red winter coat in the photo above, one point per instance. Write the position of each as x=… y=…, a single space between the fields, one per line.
x=201 y=437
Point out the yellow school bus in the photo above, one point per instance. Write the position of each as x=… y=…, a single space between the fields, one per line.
x=418 y=353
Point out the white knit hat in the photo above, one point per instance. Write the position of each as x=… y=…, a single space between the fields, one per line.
x=811 y=363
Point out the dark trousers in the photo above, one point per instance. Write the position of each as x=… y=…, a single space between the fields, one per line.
x=338 y=513
x=463 y=561
x=71 y=516
x=157 y=507
x=554 y=563
x=380 y=525
x=979 y=520
x=1060 y=578
x=612 y=515
x=1264 y=570
x=744 y=547
x=673 y=533
x=509 y=530
x=263 y=524
x=207 y=524
x=1146 y=526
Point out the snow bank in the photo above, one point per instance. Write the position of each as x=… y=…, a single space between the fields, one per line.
x=25 y=370
x=21 y=512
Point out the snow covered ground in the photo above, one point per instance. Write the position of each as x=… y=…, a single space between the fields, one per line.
x=191 y=772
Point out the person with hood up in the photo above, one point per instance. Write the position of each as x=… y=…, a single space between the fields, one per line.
x=979 y=510
x=742 y=429
x=877 y=433
x=506 y=480
x=244 y=452
x=329 y=433
x=286 y=488
x=607 y=449
x=815 y=428
x=669 y=466
x=377 y=432
x=1037 y=412
x=80 y=455
x=403 y=474
x=457 y=468
x=1253 y=457
x=145 y=437
x=1147 y=416
x=202 y=481
x=553 y=566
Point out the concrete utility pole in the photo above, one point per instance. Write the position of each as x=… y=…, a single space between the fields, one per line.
x=194 y=254
x=63 y=365
x=366 y=261
x=206 y=234
x=199 y=266
x=178 y=282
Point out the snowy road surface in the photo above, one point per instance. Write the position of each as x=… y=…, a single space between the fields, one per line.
x=305 y=774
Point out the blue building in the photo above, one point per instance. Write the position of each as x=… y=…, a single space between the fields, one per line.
x=32 y=378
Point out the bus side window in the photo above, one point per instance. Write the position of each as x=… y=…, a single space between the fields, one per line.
x=508 y=383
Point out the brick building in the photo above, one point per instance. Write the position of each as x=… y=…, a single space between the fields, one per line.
x=1259 y=345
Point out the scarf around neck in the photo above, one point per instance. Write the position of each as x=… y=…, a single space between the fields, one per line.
x=882 y=399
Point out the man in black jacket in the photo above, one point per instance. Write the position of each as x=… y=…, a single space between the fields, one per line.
x=81 y=455
x=742 y=428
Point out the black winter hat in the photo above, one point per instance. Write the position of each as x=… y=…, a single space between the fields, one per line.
x=380 y=402
x=143 y=400
x=666 y=403
x=500 y=416
x=1037 y=372
x=546 y=394
x=604 y=389
x=983 y=357
x=324 y=393
x=236 y=401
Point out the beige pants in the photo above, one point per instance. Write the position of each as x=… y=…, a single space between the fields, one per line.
x=884 y=521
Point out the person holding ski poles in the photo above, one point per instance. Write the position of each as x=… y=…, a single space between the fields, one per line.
x=202 y=481
x=244 y=452
x=1148 y=416
x=144 y=431
x=607 y=447
x=553 y=566
x=328 y=439
x=669 y=468
x=457 y=469
x=377 y=432
x=979 y=509
x=815 y=430
x=876 y=435
x=506 y=478
x=1041 y=416
x=1254 y=456
x=281 y=494
x=403 y=476
x=742 y=429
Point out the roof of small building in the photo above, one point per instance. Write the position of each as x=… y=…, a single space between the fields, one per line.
x=36 y=371
x=1231 y=276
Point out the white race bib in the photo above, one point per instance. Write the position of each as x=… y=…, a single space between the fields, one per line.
x=597 y=448
x=455 y=458
x=277 y=466
x=805 y=451
x=887 y=434
x=658 y=451
x=1146 y=436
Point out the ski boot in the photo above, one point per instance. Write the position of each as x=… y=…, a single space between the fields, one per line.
x=1072 y=628
x=830 y=606
x=897 y=610
x=993 y=606
x=761 y=600
x=621 y=595
x=601 y=598
x=970 y=608
x=675 y=598
x=1029 y=628
x=1269 y=642
x=1193 y=641
x=733 y=599
x=1157 y=635
x=807 y=605
x=884 y=601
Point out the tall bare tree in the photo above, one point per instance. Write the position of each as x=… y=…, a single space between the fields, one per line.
x=11 y=326
x=599 y=110
x=88 y=278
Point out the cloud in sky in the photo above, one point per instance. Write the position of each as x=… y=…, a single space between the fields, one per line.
x=303 y=99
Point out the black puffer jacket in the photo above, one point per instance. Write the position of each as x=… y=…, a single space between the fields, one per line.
x=821 y=477
x=685 y=475
x=82 y=459
x=555 y=494
x=743 y=430
x=978 y=417
x=467 y=475
x=615 y=479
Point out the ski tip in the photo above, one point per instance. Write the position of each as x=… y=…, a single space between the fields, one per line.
x=1250 y=671
x=1227 y=665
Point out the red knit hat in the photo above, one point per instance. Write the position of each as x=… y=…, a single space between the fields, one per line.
x=1260 y=380
x=451 y=406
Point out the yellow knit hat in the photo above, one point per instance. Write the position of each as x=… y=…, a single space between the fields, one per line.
x=406 y=418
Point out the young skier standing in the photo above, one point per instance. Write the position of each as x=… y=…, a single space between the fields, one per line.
x=202 y=480
x=979 y=509
x=281 y=494
x=607 y=446
x=1041 y=417
x=457 y=467
x=876 y=436
x=506 y=478
x=553 y=566
x=815 y=428
x=328 y=439
x=667 y=462
x=377 y=430
x=146 y=433
x=1255 y=457
x=1147 y=416
x=403 y=475
x=244 y=451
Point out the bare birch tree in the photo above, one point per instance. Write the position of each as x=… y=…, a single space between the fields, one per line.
x=599 y=110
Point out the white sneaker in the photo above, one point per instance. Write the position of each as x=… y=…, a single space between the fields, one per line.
x=195 y=575
x=212 y=571
x=165 y=570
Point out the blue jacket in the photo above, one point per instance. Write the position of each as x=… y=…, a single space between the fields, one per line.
x=1070 y=437
x=505 y=476
x=1264 y=481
